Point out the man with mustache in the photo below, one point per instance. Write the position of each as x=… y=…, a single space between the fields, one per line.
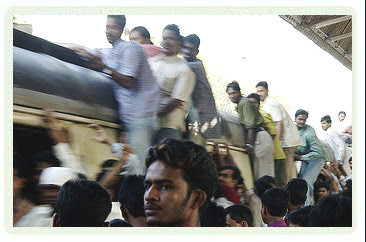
x=176 y=81
x=180 y=181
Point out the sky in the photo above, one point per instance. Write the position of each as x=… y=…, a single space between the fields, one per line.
x=245 y=48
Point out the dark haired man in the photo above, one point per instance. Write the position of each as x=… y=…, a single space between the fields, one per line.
x=297 y=189
x=341 y=152
x=253 y=198
x=135 y=87
x=180 y=181
x=176 y=81
x=274 y=207
x=82 y=203
x=203 y=101
x=238 y=216
x=300 y=217
x=286 y=132
x=310 y=153
x=131 y=198
x=321 y=190
x=258 y=141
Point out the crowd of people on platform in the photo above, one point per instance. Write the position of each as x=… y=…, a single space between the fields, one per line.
x=160 y=177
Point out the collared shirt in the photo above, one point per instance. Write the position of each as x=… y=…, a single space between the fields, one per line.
x=204 y=101
x=311 y=148
x=129 y=59
x=337 y=145
x=176 y=81
x=249 y=115
x=278 y=224
x=290 y=136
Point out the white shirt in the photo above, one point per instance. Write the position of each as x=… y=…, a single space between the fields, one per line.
x=40 y=216
x=290 y=136
x=337 y=145
x=176 y=80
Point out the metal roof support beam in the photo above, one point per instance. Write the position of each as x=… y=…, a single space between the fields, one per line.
x=342 y=36
x=331 y=21
x=329 y=46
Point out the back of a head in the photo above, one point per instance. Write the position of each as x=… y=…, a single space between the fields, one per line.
x=300 y=217
x=131 y=195
x=276 y=201
x=332 y=211
x=82 y=203
x=262 y=84
x=212 y=216
x=240 y=213
x=297 y=189
x=46 y=156
x=194 y=39
x=119 y=223
x=197 y=165
x=263 y=184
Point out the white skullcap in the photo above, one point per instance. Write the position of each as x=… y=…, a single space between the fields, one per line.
x=56 y=176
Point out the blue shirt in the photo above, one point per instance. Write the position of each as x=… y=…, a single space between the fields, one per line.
x=129 y=59
x=311 y=148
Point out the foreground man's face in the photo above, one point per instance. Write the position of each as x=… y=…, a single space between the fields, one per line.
x=166 y=199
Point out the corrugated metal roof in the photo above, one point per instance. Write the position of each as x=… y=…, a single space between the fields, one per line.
x=333 y=33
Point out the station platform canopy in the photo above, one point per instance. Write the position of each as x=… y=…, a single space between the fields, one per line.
x=332 y=33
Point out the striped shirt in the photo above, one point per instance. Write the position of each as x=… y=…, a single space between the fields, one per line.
x=129 y=59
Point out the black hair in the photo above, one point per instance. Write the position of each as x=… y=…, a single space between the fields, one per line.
x=194 y=39
x=234 y=85
x=21 y=165
x=119 y=223
x=262 y=84
x=82 y=203
x=320 y=184
x=327 y=119
x=263 y=184
x=175 y=28
x=332 y=211
x=236 y=172
x=297 y=189
x=301 y=112
x=121 y=20
x=240 y=213
x=197 y=165
x=300 y=216
x=131 y=195
x=212 y=216
x=46 y=156
x=342 y=112
x=109 y=163
x=256 y=96
x=143 y=31
x=276 y=201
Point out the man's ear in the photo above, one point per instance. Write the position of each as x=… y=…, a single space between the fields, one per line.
x=199 y=198
x=56 y=220
x=244 y=224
